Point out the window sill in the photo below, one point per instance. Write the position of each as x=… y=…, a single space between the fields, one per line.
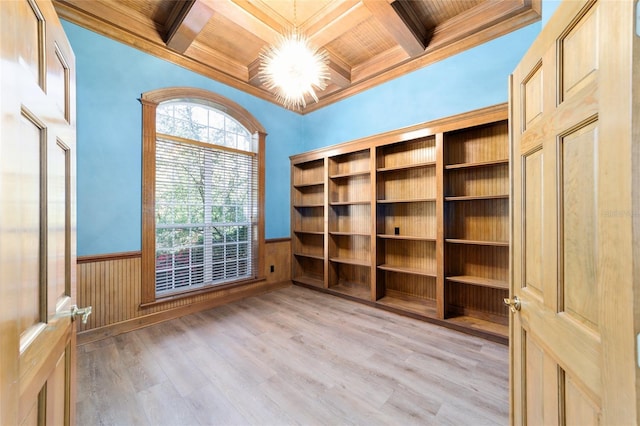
x=197 y=292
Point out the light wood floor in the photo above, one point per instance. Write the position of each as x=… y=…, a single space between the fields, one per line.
x=293 y=356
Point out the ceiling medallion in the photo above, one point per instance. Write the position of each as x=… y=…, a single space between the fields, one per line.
x=293 y=69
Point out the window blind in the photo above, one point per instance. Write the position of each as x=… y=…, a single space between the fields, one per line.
x=206 y=215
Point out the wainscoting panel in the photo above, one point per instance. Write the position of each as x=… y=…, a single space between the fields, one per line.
x=111 y=285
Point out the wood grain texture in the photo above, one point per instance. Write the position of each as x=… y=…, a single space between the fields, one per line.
x=37 y=214
x=479 y=144
x=368 y=40
x=584 y=317
x=293 y=356
x=278 y=254
x=150 y=100
x=392 y=202
x=349 y=163
x=112 y=286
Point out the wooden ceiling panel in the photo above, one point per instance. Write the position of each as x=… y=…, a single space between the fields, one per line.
x=157 y=10
x=435 y=12
x=369 y=41
x=361 y=43
x=304 y=9
x=243 y=47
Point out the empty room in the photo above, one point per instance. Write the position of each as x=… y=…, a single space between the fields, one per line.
x=319 y=212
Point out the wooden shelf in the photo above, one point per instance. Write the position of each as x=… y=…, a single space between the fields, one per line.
x=359 y=291
x=407 y=200
x=405 y=237
x=477 y=197
x=479 y=281
x=477 y=242
x=308 y=184
x=300 y=231
x=406 y=167
x=310 y=256
x=350 y=174
x=476 y=164
x=349 y=203
x=482 y=325
x=308 y=280
x=402 y=178
x=308 y=206
x=406 y=270
x=347 y=261
x=408 y=303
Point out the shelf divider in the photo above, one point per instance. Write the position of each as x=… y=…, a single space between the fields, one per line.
x=477 y=197
x=406 y=167
x=348 y=261
x=476 y=164
x=407 y=200
x=477 y=242
x=407 y=270
x=406 y=237
x=310 y=256
x=479 y=281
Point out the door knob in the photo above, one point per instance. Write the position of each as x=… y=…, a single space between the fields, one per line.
x=84 y=312
x=513 y=304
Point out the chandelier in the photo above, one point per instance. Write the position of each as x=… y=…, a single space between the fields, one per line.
x=292 y=69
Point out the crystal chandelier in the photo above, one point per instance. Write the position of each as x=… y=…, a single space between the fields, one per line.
x=293 y=69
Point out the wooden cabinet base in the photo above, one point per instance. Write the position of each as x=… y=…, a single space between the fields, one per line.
x=414 y=221
x=424 y=310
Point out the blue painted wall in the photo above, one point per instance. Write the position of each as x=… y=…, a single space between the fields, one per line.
x=472 y=79
x=111 y=77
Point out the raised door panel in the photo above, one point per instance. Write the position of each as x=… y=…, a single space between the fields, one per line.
x=579 y=55
x=579 y=408
x=37 y=216
x=573 y=336
x=27 y=215
x=578 y=170
x=533 y=255
x=532 y=93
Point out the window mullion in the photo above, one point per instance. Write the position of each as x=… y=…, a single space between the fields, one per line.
x=208 y=205
x=193 y=173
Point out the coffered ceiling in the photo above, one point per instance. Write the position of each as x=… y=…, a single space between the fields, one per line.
x=368 y=41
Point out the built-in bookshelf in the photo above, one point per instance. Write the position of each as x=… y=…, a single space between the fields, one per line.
x=350 y=224
x=307 y=222
x=414 y=221
x=406 y=225
x=476 y=222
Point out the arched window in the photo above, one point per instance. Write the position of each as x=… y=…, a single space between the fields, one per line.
x=203 y=196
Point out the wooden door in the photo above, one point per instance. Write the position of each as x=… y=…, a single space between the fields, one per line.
x=37 y=216
x=575 y=182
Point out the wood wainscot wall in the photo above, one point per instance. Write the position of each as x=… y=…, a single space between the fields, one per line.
x=111 y=284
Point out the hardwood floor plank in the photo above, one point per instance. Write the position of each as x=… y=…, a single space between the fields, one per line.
x=302 y=405
x=139 y=361
x=411 y=406
x=181 y=372
x=210 y=406
x=293 y=356
x=238 y=386
x=105 y=390
x=164 y=405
